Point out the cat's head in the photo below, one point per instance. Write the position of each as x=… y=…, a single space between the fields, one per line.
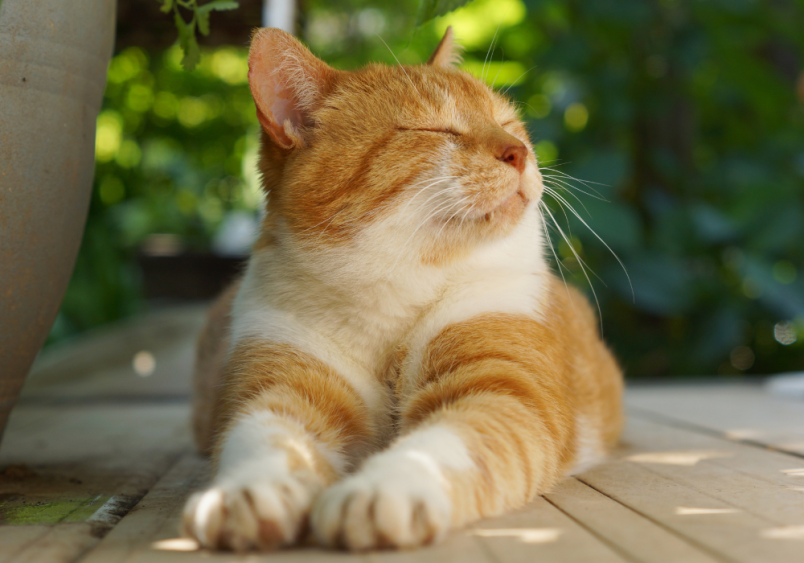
x=427 y=155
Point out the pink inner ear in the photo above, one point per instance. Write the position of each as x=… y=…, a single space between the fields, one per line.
x=276 y=102
x=285 y=79
x=283 y=106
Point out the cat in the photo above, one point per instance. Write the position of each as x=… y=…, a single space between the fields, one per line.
x=398 y=359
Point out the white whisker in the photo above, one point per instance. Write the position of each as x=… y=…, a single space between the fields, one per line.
x=498 y=70
x=505 y=92
x=462 y=200
x=489 y=53
x=564 y=183
x=400 y=64
x=580 y=262
x=559 y=264
x=439 y=208
x=437 y=180
x=591 y=230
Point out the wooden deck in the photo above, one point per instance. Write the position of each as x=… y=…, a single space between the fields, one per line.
x=97 y=462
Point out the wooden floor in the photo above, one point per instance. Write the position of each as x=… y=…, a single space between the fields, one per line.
x=97 y=462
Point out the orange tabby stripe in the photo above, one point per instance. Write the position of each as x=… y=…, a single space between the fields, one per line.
x=264 y=376
x=509 y=386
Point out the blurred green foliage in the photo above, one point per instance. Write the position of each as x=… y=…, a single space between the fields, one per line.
x=199 y=19
x=682 y=116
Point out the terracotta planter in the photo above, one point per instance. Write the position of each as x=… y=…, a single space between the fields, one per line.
x=53 y=59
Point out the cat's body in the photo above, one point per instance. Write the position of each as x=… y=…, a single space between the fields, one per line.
x=398 y=359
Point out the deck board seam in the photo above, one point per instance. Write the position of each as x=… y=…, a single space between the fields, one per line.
x=13 y=557
x=705 y=493
x=487 y=552
x=605 y=541
x=105 y=400
x=131 y=502
x=694 y=543
x=660 y=418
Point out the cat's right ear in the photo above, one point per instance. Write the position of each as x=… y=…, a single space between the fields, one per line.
x=448 y=52
x=287 y=82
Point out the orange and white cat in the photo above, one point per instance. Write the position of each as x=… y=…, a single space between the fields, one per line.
x=398 y=359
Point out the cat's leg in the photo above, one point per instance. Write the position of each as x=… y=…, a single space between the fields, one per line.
x=288 y=426
x=486 y=424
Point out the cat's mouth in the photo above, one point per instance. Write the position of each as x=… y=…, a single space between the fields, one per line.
x=514 y=204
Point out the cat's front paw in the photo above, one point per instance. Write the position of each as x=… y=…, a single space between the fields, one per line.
x=394 y=504
x=244 y=517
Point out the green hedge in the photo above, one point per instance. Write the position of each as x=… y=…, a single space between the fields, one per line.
x=680 y=120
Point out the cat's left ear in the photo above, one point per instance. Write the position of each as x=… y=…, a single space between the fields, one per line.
x=287 y=82
x=448 y=51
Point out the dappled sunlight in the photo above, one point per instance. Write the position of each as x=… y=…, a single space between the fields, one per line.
x=525 y=535
x=694 y=511
x=144 y=363
x=509 y=73
x=743 y=434
x=688 y=458
x=791 y=446
x=784 y=533
x=479 y=23
x=175 y=544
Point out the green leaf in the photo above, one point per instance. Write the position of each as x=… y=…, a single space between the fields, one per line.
x=183 y=29
x=192 y=54
x=218 y=6
x=187 y=42
x=202 y=12
x=167 y=5
x=430 y=9
x=202 y=17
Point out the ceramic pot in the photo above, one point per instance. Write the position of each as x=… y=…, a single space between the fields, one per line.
x=53 y=59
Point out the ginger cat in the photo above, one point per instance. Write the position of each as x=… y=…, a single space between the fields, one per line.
x=398 y=360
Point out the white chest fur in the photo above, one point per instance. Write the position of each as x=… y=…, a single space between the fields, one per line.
x=344 y=308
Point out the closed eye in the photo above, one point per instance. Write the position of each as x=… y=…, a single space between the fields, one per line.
x=427 y=130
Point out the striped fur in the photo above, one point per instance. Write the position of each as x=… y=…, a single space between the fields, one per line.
x=398 y=359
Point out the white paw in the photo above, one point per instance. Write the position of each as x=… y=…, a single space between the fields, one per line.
x=393 y=502
x=261 y=515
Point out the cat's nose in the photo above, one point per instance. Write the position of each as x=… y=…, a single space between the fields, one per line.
x=515 y=155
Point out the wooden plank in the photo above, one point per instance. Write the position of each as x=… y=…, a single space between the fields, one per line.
x=458 y=547
x=155 y=517
x=740 y=412
x=101 y=365
x=149 y=533
x=765 y=483
x=541 y=532
x=14 y=539
x=110 y=435
x=76 y=470
x=730 y=500
x=63 y=543
x=638 y=538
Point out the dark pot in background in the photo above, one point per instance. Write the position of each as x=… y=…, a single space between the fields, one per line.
x=53 y=59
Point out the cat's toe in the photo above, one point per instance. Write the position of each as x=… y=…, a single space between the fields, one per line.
x=261 y=516
x=362 y=513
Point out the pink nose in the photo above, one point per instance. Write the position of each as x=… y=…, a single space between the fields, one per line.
x=514 y=155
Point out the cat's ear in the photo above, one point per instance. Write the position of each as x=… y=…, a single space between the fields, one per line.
x=448 y=51
x=287 y=82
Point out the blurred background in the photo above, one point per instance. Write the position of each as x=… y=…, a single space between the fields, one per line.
x=683 y=121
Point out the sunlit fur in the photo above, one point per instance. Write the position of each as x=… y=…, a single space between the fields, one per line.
x=398 y=359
